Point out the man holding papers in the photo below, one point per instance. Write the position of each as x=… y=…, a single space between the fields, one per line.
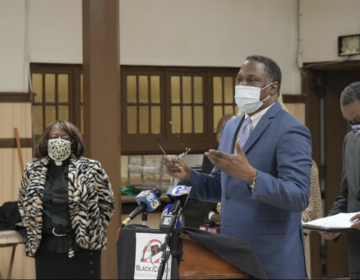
x=349 y=199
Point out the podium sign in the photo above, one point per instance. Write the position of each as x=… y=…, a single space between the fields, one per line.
x=147 y=256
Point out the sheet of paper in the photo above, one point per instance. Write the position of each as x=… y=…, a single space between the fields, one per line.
x=341 y=220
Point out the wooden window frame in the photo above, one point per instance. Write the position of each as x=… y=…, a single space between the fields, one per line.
x=146 y=143
x=198 y=142
x=74 y=72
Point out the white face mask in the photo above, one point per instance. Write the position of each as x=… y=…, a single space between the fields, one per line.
x=248 y=98
x=59 y=149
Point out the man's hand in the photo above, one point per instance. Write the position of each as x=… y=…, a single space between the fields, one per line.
x=216 y=218
x=356 y=220
x=235 y=165
x=330 y=235
x=176 y=167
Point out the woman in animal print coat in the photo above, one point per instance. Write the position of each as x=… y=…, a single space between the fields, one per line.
x=66 y=203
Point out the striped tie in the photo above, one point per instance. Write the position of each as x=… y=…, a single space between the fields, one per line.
x=245 y=132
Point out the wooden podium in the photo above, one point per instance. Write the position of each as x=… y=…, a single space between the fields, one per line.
x=201 y=263
x=196 y=254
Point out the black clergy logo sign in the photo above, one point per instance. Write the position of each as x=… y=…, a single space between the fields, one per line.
x=152 y=252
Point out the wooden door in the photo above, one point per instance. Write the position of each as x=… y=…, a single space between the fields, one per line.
x=335 y=130
x=322 y=86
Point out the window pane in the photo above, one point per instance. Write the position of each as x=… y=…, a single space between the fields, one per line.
x=50 y=114
x=175 y=118
x=218 y=113
x=50 y=87
x=155 y=89
x=144 y=119
x=198 y=119
x=175 y=89
x=37 y=83
x=229 y=90
x=217 y=85
x=64 y=113
x=131 y=89
x=229 y=110
x=63 y=87
x=186 y=90
x=187 y=119
x=38 y=120
x=143 y=89
x=81 y=88
x=198 y=90
x=131 y=120
x=155 y=119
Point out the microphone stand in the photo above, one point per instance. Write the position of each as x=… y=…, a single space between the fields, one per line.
x=166 y=246
x=144 y=217
x=165 y=256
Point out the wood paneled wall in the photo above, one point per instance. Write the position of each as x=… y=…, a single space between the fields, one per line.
x=14 y=115
x=297 y=110
x=10 y=176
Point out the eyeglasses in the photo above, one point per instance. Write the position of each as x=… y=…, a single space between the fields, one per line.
x=187 y=150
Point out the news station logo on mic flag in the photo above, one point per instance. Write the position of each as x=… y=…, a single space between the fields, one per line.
x=149 y=198
x=148 y=256
x=179 y=190
x=179 y=195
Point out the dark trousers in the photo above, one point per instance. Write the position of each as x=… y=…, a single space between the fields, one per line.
x=85 y=264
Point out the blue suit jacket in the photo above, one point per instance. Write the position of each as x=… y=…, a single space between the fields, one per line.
x=269 y=217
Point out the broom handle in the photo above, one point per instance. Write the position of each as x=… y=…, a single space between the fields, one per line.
x=19 y=149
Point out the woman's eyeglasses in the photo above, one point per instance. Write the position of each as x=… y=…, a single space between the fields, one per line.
x=187 y=150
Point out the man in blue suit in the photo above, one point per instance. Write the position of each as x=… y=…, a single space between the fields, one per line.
x=261 y=174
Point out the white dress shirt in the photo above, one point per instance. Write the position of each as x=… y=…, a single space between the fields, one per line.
x=254 y=121
x=255 y=118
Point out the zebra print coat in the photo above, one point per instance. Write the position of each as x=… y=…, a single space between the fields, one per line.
x=91 y=202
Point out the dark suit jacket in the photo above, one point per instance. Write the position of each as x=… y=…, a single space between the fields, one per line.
x=349 y=199
x=205 y=206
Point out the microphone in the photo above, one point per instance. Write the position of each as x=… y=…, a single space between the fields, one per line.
x=166 y=211
x=147 y=200
x=178 y=196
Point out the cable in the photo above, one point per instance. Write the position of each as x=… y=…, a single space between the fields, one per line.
x=299 y=63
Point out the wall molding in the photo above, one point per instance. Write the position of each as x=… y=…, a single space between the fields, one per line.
x=292 y=98
x=11 y=143
x=15 y=97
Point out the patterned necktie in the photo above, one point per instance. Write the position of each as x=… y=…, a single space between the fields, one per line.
x=245 y=132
